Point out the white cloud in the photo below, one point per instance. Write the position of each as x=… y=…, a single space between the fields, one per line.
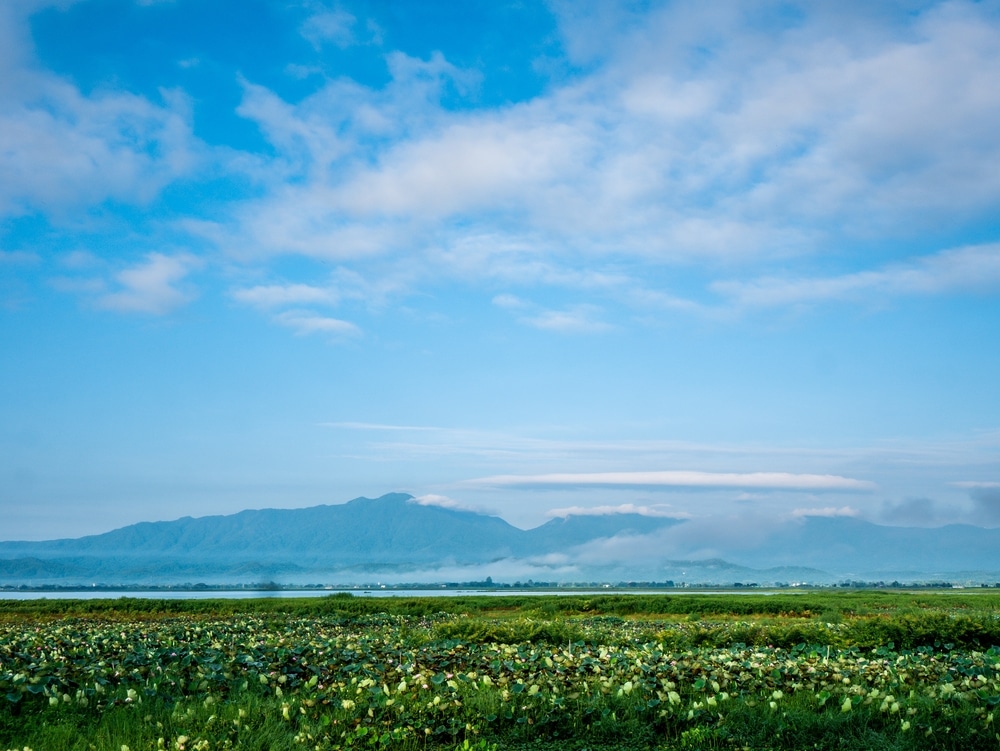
x=443 y=501
x=18 y=258
x=678 y=479
x=61 y=150
x=151 y=286
x=826 y=511
x=976 y=484
x=579 y=319
x=80 y=260
x=73 y=152
x=509 y=302
x=715 y=137
x=379 y=426
x=304 y=322
x=967 y=269
x=623 y=508
x=277 y=295
x=776 y=145
x=336 y=26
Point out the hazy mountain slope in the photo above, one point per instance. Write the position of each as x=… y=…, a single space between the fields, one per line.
x=394 y=537
x=388 y=528
x=853 y=546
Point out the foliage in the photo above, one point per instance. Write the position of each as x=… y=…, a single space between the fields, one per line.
x=285 y=678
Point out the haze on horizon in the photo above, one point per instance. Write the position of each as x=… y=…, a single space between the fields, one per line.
x=713 y=261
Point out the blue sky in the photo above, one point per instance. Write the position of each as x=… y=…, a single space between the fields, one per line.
x=716 y=260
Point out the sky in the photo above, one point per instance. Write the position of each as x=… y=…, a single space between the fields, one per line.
x=709 y=260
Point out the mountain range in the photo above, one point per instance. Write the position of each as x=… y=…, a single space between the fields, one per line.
x=395 y=538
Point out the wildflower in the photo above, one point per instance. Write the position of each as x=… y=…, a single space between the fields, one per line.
x=905 y=726
x=847 y=706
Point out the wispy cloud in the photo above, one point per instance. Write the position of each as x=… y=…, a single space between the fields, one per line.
x=335 y=26
x=443 y=501
x=74 y=150
x=278 y=295
x=18 y=258
x=826 y=511
x=151 y=286
x=774 y=148
x=779 y=144
x=304 y=323
x=380 y=426
x=579 y=319
x=968 y=269
x=622 y=508
x=678 y=479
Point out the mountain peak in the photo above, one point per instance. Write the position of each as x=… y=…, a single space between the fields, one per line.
x=386 y=499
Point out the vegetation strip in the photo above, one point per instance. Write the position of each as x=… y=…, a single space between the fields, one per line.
x=861 y=671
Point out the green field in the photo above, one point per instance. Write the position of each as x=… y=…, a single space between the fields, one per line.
x=864 y=670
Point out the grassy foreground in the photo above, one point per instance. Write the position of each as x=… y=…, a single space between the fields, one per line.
x=806 y=671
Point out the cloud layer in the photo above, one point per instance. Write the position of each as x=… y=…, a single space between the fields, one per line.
x=735 y=145
x=679 y=479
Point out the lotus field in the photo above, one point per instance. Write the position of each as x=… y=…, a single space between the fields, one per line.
x=807 y=671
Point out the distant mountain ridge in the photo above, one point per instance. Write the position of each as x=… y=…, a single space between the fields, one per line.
x=392 y=532
x=396 y=538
